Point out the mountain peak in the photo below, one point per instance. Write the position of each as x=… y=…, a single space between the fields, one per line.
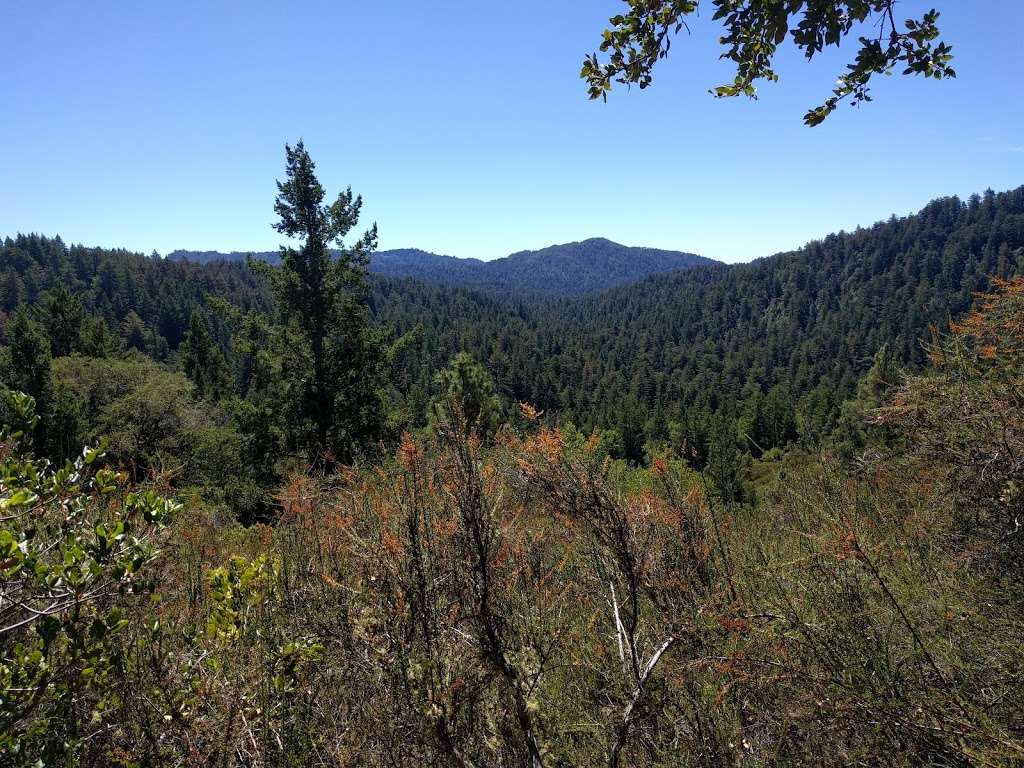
x=569 y=269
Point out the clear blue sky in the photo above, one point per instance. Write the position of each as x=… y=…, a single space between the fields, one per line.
x=464 y=125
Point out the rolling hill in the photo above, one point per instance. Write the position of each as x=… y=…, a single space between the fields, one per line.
x=572 y=269
x=805 y=323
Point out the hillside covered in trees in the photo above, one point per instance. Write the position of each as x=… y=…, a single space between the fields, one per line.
x=793 y=332
x=560 y=270
x=783 y=340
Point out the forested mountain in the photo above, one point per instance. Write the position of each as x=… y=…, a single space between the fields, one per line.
x=802 y=326
x=146 y=300
x=559 y=270
x=792 y=332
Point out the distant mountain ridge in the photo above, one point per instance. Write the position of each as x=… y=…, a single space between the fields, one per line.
x=805 y=324
x=571 y=269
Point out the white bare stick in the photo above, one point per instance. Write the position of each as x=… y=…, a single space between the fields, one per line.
x=630 y=711
x=620 y=631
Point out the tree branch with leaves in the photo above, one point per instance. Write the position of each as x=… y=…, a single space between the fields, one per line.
x=639 y=38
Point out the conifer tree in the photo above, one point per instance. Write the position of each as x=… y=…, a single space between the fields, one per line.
x=203 y=361
x=853 y=432
x=97 y=340
x=725 y=462
x=466 y=396
x=29 y=372
x=322 y=297
x=62 y=314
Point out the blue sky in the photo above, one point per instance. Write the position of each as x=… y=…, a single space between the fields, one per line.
x=465 y=127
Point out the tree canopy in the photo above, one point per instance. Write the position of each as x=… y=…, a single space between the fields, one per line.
x=754 y=29
x=322 y=297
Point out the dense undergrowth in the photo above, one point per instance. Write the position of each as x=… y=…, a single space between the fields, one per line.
x=518 y=598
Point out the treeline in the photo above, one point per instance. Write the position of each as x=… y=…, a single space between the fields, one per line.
x=226 y=390
x=571 y=269
x=790 y=334
x=145 y=301
x=715 y=364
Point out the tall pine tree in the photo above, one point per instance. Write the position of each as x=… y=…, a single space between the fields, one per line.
x=322 y=298
x=203 y=361
x=28 y=370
